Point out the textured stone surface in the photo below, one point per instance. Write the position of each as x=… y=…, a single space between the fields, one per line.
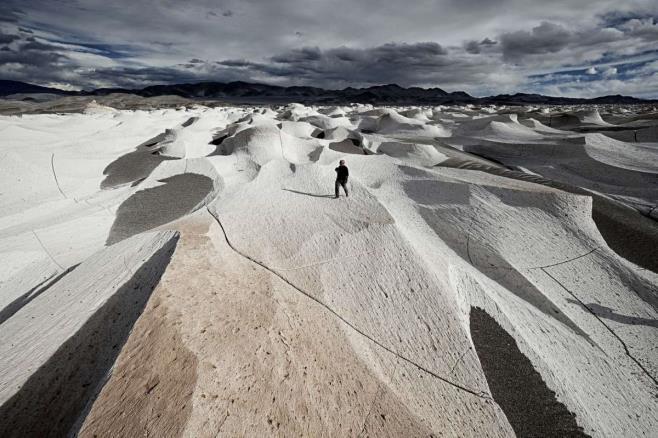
x=285 y=312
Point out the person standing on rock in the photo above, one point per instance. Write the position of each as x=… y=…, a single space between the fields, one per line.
x=342 y=173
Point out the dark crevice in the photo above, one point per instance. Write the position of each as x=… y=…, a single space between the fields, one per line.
x=55 y=395
x=153 y=141
x=137 y=182
x=216 y=141
x=607 y=128
x=485 y=157
x=221 y=147
x=189 y=122
x=627 y=232
x=530 y=406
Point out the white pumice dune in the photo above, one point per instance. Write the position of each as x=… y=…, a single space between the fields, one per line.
x=188 y=272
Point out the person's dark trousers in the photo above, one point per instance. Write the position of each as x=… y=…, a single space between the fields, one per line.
x=343 y=184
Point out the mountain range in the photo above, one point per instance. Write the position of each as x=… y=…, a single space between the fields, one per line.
x=391 y=94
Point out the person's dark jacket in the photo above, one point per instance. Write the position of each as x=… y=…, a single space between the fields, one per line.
x=342 y=173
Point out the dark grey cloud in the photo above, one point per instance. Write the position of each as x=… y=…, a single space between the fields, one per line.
x=30 y=51
x=480 y=47
x=548 y=38
x=424 y=54
x=29 y=58
x=303 y=55
x=235 y=63
x=545 y=38
x=405 y=64
x=9 y=13
x=8 y=38
x=476 y=47
x=645 y=28
x=32 y=45
x=618 y=18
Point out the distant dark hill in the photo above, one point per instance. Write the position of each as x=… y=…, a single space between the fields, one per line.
x=619 y=99
x=15 y=87
x=218 y=90
x=244 y=91
x=391 y=94
x=523 y=98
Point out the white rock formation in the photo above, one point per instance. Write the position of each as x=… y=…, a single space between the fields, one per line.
x=473 y=243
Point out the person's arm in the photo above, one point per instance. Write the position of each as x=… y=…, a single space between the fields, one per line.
x=336 y=170
x=347 y=171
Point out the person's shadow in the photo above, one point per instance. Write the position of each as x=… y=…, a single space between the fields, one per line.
x=315 y=195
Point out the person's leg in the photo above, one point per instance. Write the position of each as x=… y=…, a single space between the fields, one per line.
x=336 y=187
x=344 y=184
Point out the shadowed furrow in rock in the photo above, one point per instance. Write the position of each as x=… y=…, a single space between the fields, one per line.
x=149 y=208
x=55 y=395
x=530 y=406
x=135 y=165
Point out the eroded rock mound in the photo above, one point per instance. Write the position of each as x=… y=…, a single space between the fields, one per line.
x=187 y=272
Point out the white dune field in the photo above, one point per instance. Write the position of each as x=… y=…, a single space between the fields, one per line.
x=188 y=273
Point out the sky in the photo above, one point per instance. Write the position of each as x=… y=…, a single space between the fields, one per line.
x=577 y=48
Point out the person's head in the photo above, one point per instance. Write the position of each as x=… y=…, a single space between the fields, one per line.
x=342 y=162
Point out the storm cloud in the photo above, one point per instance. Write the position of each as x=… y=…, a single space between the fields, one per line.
x=405 y=64
x=565 y=47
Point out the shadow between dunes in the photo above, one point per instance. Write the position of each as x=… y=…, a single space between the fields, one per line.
x=134 y=166
x=150 y=208
x=489 y=262
x=56 y=395
x=627 y=232
x=530 y=406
